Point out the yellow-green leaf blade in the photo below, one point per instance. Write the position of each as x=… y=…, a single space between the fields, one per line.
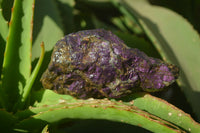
x=3 y=36
x=3 y=27
x=166 y=111
x=177 y=42
x=65 y=107
x=17 y=60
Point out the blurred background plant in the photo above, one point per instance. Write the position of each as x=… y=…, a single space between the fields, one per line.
x=163 y=29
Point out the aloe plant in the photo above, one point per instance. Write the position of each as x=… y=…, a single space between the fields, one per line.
x=32 y=25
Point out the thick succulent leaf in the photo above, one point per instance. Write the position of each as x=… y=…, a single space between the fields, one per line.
x=45 y=129
x=3 y=35
x=65 y=106
x=6 y=5
x=125 y=24
x=21 y=102
x=48 y=29
x=176 y=41
x=138 y=42
x=189 y=9
x=17 y=60
x=118 y=22
x=7 y=121
x=166 y=111
x=66 y=12
x=129 y=20
x=47 y=26
x=3 y=27
x=98 y=24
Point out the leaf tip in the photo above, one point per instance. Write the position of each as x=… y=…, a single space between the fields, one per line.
x=12 y=9
x=9 y=23
x=42 y=46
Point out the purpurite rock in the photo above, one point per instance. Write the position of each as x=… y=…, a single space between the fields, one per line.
x=96 y=63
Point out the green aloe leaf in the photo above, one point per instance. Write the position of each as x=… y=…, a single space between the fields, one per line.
x=118 y=22
x=3 y=28
x=7 y=121
x=125 y=24
x=6 y=5
x=45 y=129
x=48 y=27
x=21 y=102
x=138 y=42
x=3 y=35
x=66 y=8
x=176 y=41
x=166 y=111
x=64 y=106
x=17 y=60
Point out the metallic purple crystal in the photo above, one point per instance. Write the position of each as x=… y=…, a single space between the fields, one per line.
x=96 y=63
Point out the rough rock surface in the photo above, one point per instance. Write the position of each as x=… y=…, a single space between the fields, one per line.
x=96 y=63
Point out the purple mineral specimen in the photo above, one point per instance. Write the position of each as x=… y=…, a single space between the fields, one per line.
x=96 y=63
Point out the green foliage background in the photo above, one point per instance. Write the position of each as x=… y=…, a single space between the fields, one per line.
x=163 y=29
